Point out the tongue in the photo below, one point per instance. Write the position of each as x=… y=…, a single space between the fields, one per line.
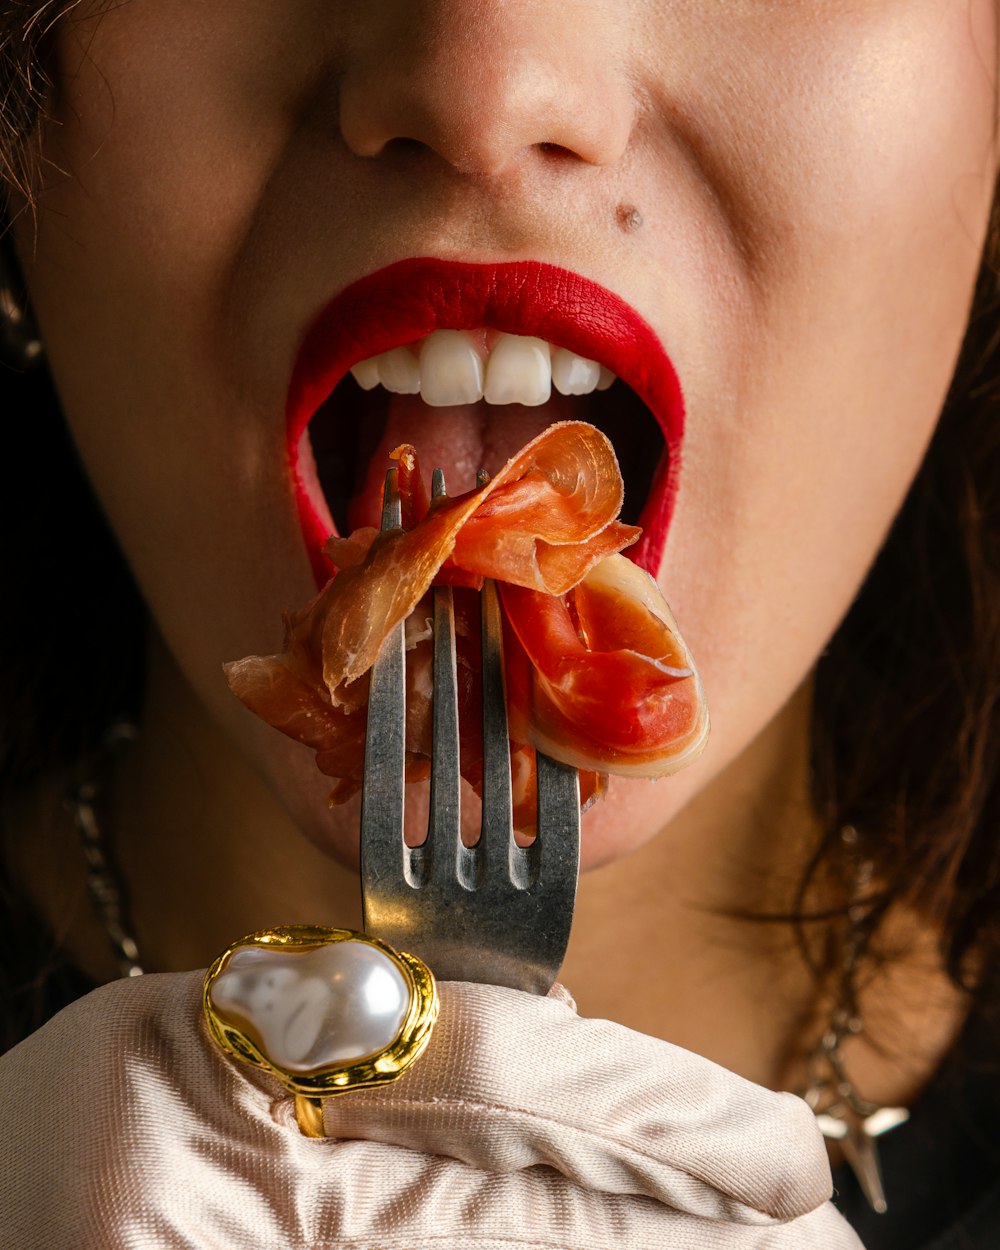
x=459 y=440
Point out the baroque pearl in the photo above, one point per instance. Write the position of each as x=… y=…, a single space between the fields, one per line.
x=328 y=1006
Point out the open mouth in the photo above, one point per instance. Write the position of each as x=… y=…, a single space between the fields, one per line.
x=468 y=363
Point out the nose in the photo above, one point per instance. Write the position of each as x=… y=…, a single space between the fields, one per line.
x=486 y=83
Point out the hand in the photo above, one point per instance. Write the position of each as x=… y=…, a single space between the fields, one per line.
x=522 y=1126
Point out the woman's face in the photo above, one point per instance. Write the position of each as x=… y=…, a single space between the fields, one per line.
x=793 y=194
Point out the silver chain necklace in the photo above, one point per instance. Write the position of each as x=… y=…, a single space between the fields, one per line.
x=103 y=879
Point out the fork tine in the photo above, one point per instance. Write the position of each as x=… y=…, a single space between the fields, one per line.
x=496 y=841
x=558 y=840
x=385 y=745
x=448 y=858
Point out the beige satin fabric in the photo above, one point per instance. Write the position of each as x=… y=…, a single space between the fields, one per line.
x=523 y=1126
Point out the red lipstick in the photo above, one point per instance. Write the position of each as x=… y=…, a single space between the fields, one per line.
x=406 y=301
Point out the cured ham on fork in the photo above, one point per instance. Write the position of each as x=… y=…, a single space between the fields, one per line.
x=597 y=674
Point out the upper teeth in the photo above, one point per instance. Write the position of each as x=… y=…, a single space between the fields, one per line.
x=452 y=367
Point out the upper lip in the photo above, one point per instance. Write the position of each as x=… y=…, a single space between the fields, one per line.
x=406 y=301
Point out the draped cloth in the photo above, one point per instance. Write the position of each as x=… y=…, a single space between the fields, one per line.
x=522 y=1126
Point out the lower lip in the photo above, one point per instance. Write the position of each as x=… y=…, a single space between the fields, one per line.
x=405 y=302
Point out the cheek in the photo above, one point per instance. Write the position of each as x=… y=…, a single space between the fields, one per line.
x=133 y=269
x=808 y=421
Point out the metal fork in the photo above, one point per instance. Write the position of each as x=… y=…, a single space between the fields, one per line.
x=494 y=912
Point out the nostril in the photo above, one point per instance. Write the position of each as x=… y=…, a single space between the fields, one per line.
x=482 y=85
x=404 y=146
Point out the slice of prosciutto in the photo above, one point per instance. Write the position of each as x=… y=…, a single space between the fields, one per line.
x=596 y=672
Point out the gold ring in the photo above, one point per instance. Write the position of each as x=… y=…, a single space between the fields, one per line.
x=326 y=1011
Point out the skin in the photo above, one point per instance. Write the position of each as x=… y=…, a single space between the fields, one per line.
x=814 y=181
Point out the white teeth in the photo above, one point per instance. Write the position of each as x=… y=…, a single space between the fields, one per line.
x=398 y=371
x=366 y=373
x=452 y=367
x=518 y=371
x=451 y=370
x=572 y=374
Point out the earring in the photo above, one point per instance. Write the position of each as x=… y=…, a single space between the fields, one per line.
x=20 y=346
x=841 y=1113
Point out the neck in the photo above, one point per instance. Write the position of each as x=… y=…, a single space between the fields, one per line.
x=696 y=972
